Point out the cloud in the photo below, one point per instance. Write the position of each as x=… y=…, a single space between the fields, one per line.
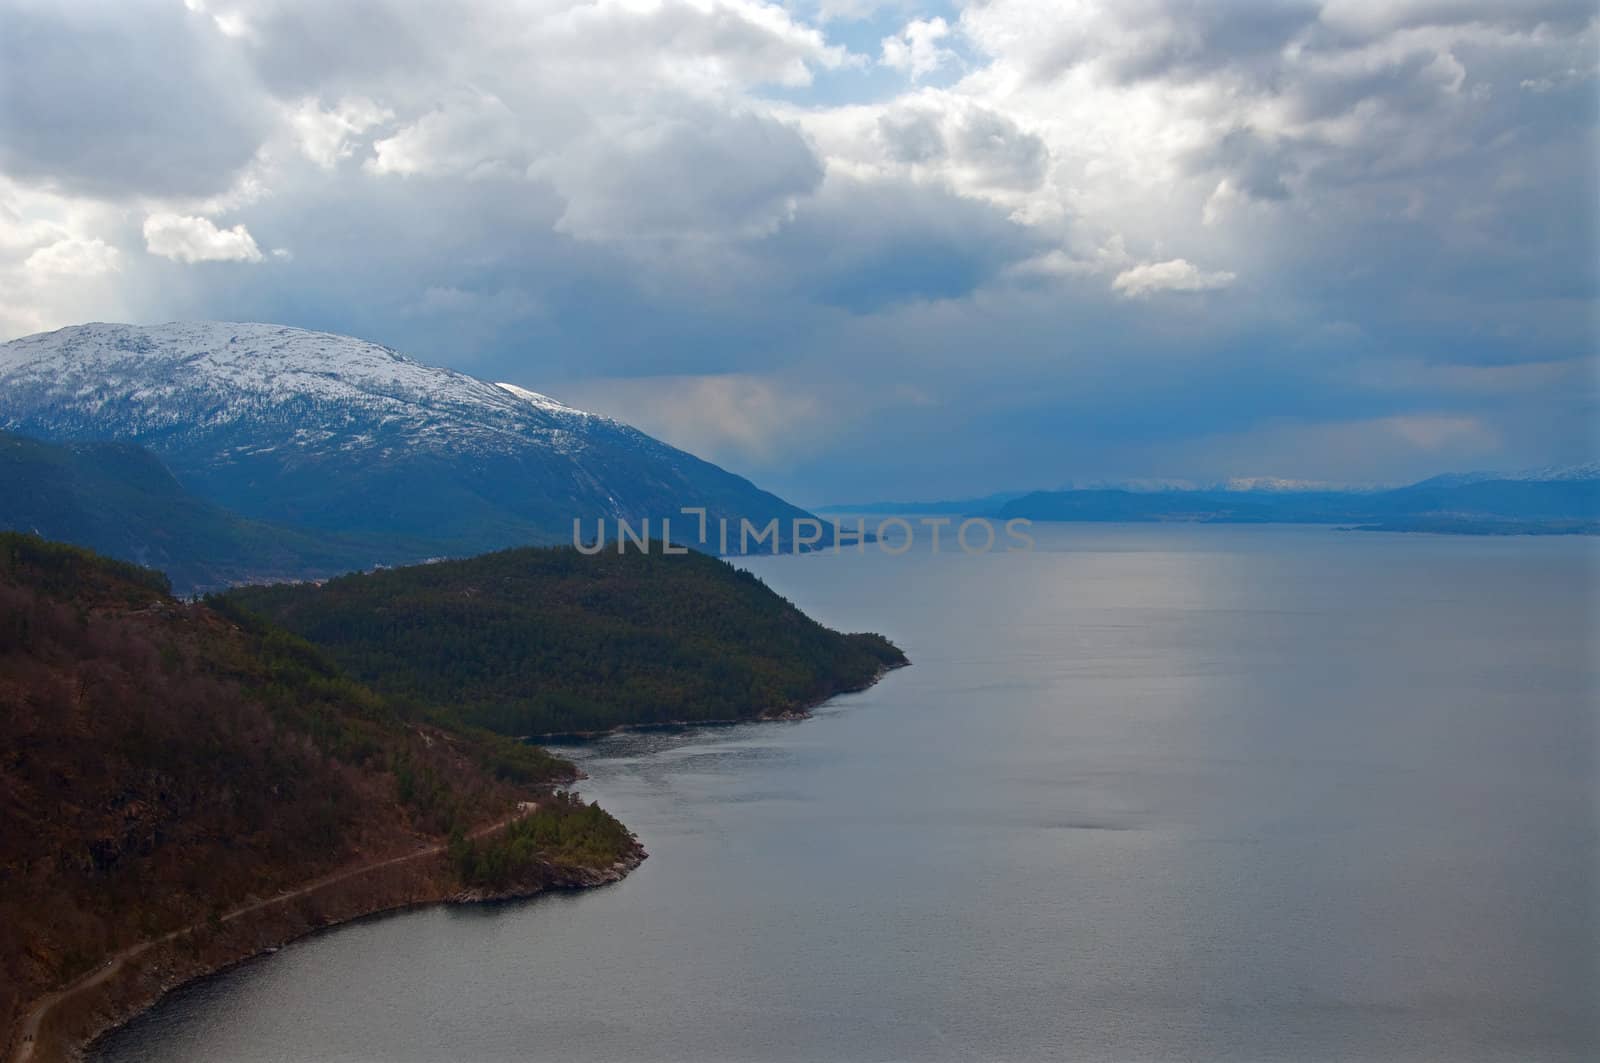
x=55 y=264
x=73 y=257
x=701 y=173
x=1174 y=275
x=915 y=51
x=195 y=239
x=936 y=137
x=1374 y=18
x=839 y=202
x=112 y=99
x=1392 y=449
x=866 y=245
x=738 y=418
x=473 y=135
x=327 y=135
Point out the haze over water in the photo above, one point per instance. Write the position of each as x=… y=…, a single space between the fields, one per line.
x=1147 y=793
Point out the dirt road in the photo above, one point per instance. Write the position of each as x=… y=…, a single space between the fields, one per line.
x=34 y=1020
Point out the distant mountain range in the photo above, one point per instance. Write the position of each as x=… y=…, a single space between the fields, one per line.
x=963 y=505
x=271 y=433
x=1541 y=501
x=1545 y=474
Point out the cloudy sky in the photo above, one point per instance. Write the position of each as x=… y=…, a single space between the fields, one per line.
x=860 y=249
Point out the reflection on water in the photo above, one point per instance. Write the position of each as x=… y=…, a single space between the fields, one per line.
x=1147 y=793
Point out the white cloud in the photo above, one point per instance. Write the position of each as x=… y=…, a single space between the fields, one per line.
x=939 y=137
x=474 y=134
x=74 y=257
x=1173 y=275
x=195 y=239
x=326 y=135
x=228 y=23
x=54 y=267
x=702 y=45
x=916 y=51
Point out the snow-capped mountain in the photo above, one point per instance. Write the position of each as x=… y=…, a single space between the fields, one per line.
x=1240 y=484
x=341 y=435
x=1584 y=472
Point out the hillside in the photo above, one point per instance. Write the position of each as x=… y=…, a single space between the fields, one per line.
x=537 y=641
x=117 y=499
x=331 y=434
x=163 y=763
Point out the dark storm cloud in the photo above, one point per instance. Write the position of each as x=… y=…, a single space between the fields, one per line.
x=866 y=246
x=122 y=99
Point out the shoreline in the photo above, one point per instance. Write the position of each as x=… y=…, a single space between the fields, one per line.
x=133 y=981
x=799 y=712
x=66 y=1023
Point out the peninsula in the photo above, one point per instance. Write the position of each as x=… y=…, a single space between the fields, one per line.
x=192 y=783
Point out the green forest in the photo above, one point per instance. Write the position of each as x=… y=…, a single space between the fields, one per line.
x=563 y=829
x=546 y=640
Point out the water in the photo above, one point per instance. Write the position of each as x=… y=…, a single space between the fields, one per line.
x=1148 y=793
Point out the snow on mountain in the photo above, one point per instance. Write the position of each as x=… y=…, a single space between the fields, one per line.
x=1281 y=484
x=337 y=433
x=1241 y=484
x=1589 y=470
x=544 y=402
x=1580 y=473
x=132 y=382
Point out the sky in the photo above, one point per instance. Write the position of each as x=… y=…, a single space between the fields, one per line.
x=861 y=250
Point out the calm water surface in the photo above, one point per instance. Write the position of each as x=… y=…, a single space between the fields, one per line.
x=1148 y=793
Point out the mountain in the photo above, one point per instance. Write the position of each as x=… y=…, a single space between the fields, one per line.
x=1278 y=484
x=166 y=769
x=542 y=640
x=962 y=505
x=334 y=435
x=119 y=500
x=1568 y=503
x=992 y=503
x=1544 y=474
x=1174 y=505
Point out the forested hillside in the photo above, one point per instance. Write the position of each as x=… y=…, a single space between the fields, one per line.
x=161 y=761
x=546 y=640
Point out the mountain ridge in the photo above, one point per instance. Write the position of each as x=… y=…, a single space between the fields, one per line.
x=1555 y=499
x=1475 y=507
x=336 y=434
